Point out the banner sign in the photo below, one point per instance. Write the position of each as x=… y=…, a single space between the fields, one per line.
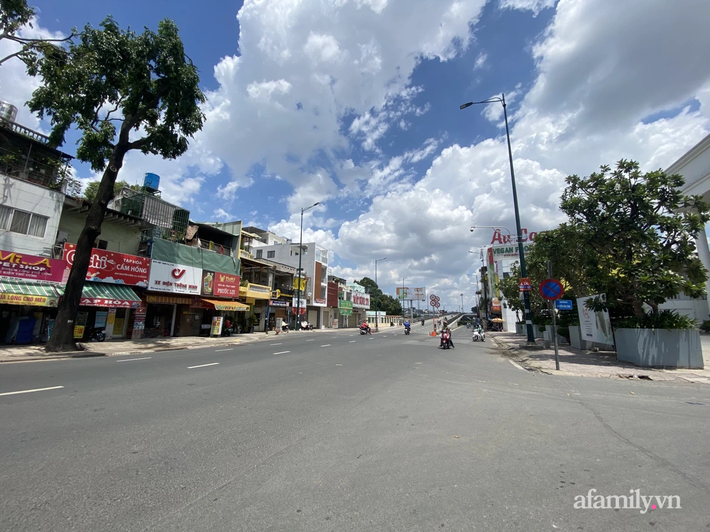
x=277 y=303
x=32 y=301
x=361 y=300
x=174 y=278
x=595 y=326
x=345 y=305
x=508 y=252
x=220 y=284
x=112 y=267
x=419 y=294
x=107 y=302
x=21 y=266
x=402 y=292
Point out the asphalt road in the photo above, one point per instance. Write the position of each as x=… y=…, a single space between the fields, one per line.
x=337 y=431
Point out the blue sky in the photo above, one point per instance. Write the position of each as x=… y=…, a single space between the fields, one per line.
x=354 y=103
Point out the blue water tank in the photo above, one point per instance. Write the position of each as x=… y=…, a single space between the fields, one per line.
x=151 y=181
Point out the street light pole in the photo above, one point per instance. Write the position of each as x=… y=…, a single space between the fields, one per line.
x=521 y=253
x=300 y=254
x=461 y=303
x=377 y=316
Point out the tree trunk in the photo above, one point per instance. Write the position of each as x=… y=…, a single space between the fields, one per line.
x=62 y=338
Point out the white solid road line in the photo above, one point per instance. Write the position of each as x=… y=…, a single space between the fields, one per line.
x=220 y=350
x=274 y=344
x=30 y=391
x=312 y=340
x=352 y=341
x=516 y=365
x=204 y=365
x=132 y=359
x=325 y=345
x=282 y=352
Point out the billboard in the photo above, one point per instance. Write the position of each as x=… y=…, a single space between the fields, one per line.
x=419 y=294
x=174 y=278
x=112 y=267
x=220 y=284
x=402 y=292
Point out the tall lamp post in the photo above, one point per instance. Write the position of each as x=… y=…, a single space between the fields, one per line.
x=300 y=254
x=461 y=303
x=377 y=316
x=521 y=254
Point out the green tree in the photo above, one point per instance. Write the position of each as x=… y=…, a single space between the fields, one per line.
x=93 y=187
x=378 y=300
x=636 y=237
x=123 y=92
x=390 y=305
x=14 y=15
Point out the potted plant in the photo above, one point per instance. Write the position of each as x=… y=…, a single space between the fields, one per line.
x=634 y=241
x=252 y=322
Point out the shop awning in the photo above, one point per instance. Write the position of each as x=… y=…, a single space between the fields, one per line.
x=234 y=306
x=168 y=300
x=28 y=293
x=108 y=295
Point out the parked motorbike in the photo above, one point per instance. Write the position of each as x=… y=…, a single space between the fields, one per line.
x=97 y=334
x=478 y=335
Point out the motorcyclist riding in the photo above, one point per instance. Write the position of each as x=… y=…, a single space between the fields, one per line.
x=365 y=327
x=407 y=327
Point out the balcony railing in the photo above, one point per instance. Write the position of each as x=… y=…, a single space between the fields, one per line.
x=214 y=246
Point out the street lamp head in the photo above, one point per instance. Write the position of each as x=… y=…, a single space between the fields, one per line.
x=465 y=105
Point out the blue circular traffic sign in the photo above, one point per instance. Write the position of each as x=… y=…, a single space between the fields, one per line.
x=551 y=289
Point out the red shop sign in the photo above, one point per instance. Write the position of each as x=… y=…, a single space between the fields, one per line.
x=21 y=266
x=112 y=267
x=220 y=284
x=104 y=302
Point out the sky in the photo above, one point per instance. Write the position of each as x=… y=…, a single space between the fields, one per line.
x=355 y=104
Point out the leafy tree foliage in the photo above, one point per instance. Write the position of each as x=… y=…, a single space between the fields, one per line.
x=93 y=187
x=14 y=15
x=383 y=303
x=123 y=91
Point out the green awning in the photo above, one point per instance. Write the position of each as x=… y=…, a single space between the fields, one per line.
x=28 y=288
x=108 y=295
x=16 y=292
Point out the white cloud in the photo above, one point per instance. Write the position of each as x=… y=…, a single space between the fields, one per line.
x=222 y=214
x=480 y=61
x=306 y=65
x=528 y=5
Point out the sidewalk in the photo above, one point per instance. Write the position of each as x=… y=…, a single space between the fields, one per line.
x=575 y=362
x=35 y=352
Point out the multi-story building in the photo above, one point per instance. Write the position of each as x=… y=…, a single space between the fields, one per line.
x=314 y=269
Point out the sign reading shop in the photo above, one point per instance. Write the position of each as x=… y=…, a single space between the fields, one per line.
x=361 y=300
x=174 y=278
x=21 y=266
x=112 y=267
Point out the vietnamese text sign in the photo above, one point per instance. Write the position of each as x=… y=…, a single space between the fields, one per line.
x=216 y=326
x=32 y=301
x=174 y=278
x=419 y=294
x=220 y=284
x=361 y=300
x=594 y=326
x=112 y=267
x=563 y=304
x=21 y=266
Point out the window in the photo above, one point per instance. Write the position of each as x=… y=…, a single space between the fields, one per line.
x=270 y=254
x=38 y=225
x=5 y=215
x=22 y=222
x=259 y=253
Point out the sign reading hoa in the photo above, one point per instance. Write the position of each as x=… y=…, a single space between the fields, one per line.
x=112 y=267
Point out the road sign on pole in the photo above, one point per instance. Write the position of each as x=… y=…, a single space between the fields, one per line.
x=551 y=289
x=563 y=304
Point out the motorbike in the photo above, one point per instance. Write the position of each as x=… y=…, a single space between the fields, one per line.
x=406 y=330
x=445 y=340
x=422 y=323
x=97 y=334
x=365 y=330
x=478 y=335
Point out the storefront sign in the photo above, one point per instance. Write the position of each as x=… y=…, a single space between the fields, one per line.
x=319 y=301
x=496 y=305
x=139 y=323
x=100 y=319
x=276 y=303
x=219 y=284
x=108 y=302
x=345 y=307
x=499 y=238
x=32 y=301
x=80 y=324
x=216 y=329
x=295 y=304
x=361 y=300
x=174 y=278
x=21 y=266
x=112 y=267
